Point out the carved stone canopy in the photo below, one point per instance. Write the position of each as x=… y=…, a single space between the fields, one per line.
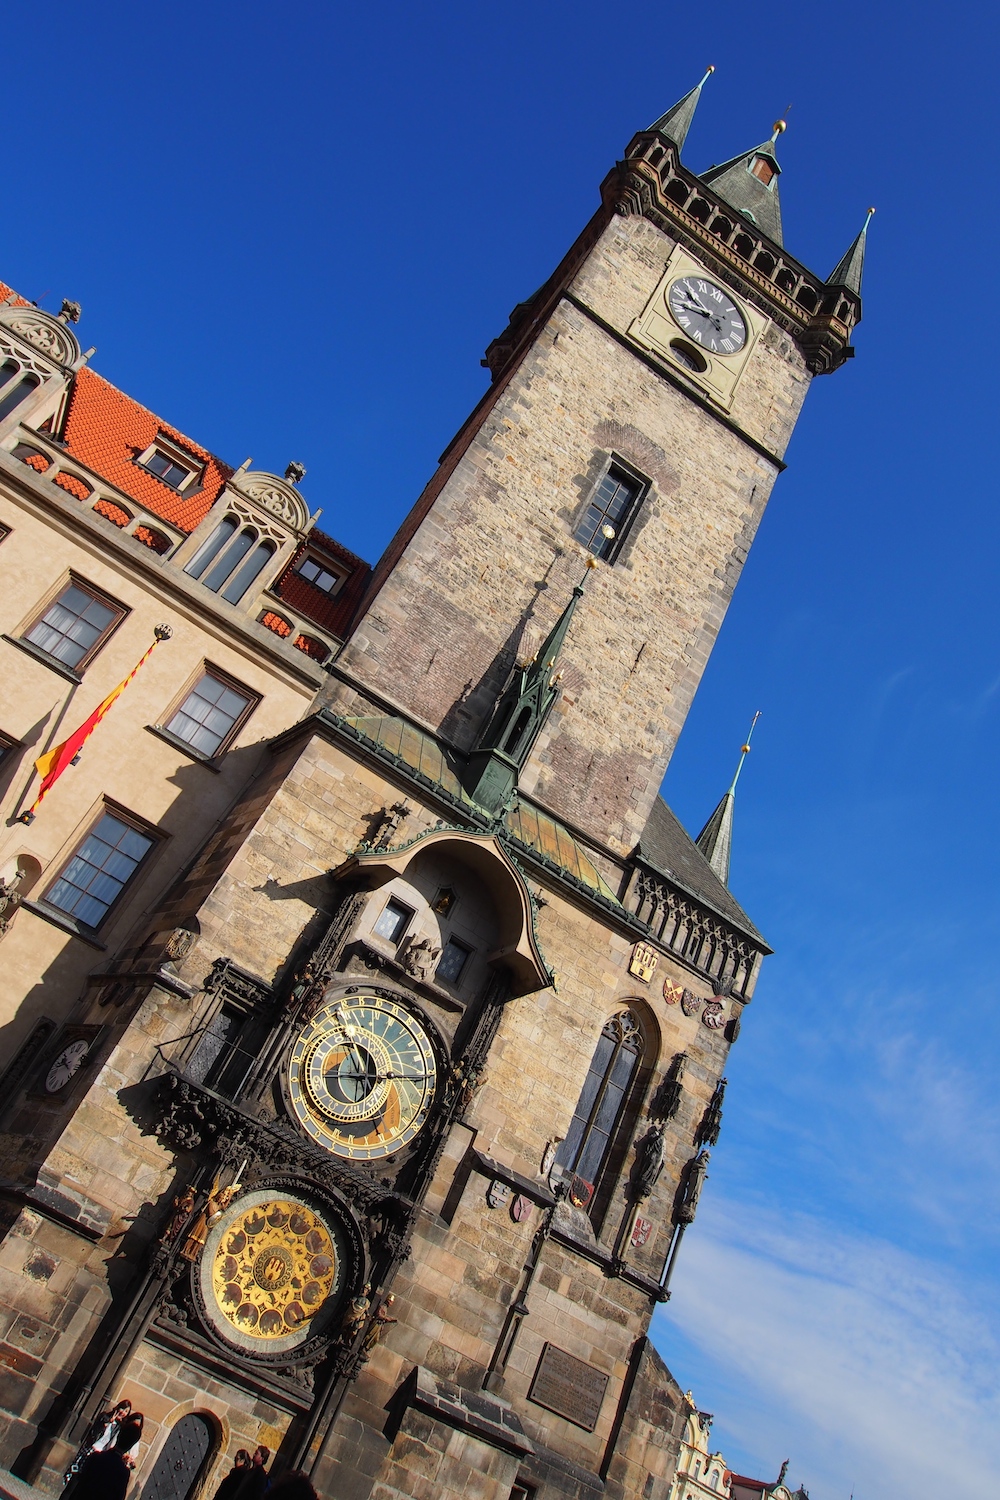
x=276 y=496
x=43 y=332
x=517 y=951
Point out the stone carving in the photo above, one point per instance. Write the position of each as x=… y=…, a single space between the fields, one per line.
x=693 y=1182
x=179 y=944
x=182 y=1211
x=690 y=1003
x=713 y=1016
x=641 y=1230
x=9 y=900
x=649 y=1163
x=70 y=312
x=275 y=495
x=355 y=1315
x=667 y=1099
x=497 y=1193
x=643 y=962
x=711 y=1120
x=419 y=957
x=295 y=472
x=44 y=333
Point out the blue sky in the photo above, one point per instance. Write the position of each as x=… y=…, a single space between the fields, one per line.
x=293 y=232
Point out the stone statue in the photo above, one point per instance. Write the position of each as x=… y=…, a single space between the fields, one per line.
x=693 y=1184
x=649 y=1160
x=420 y=957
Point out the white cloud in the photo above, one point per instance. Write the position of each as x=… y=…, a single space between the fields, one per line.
x=866 y=1365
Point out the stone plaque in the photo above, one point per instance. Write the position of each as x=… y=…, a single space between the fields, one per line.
x=569 y=1387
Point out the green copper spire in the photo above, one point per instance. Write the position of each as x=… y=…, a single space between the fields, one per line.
x=848 y=272
x=676 y=123
x=716 y=838
x=517 y=721
x=749 y=183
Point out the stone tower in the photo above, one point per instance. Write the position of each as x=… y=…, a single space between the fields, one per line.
x=402 y=1103
x=607 y=409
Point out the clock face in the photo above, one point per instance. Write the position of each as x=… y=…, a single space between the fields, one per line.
x=66 y=1066
x=272 y=1272
x=361 y=1077
x=707 y=315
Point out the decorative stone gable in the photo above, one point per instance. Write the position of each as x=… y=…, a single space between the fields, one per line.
x=276 y=497
x=42 y=332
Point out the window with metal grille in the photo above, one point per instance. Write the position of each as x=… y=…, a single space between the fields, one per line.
x=75 y=625
x=603 y=1098
x=210 y=714
x=99 y=871
x=610 y=513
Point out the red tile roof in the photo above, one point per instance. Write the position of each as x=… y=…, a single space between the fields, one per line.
x=106 y=430
x=333 y=612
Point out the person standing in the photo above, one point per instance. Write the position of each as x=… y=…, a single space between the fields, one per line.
x=106 y=1472
x=227 y=1489
x=99 y=1437
x=256 y=1481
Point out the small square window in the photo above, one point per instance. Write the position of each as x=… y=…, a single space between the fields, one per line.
x=75 y=625
x=167 y=469
x=314 y=572
x=393 y=922
x=210 y=714
x=99 y=871
x=451 y=965
x=610 y=512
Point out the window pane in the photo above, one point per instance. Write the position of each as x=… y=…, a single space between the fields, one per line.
x=611 y=506
x=255 y=564
x=7 y=371
x=209 y=549
x=207 y=714
x=102 y=866
x=221 y=569
x=393 y=921
x=452 y=961
x=166 y=469
x=72 y=625
x=18 y=393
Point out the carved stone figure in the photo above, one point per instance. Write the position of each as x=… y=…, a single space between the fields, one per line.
x=419 y=957
x=650 y=1163
x=183 y=1209
x=179 y=944
x=694 y=1181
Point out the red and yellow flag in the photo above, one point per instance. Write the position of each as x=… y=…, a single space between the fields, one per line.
x=53 y=763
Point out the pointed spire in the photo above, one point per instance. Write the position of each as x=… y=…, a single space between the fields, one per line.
x=716 y=838
x=848 y=271
x=676 y=123
x=749 y=183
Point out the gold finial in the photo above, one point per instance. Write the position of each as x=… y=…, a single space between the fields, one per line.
x=708 y=73
x=745 y=751
x=779 y=127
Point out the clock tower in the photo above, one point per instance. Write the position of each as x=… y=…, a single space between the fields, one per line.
x=408 y=1089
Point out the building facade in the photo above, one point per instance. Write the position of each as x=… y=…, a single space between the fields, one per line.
x=391 y=1113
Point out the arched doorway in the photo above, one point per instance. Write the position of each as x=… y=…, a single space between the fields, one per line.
x=183 y=1459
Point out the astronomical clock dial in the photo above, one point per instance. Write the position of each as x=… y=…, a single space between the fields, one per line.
x=66 y=1066
x=707 y=315
x=271 y=1272
x=361 y=1077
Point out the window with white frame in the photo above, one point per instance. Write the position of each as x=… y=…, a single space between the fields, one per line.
x=170 y=463
x=211 y=713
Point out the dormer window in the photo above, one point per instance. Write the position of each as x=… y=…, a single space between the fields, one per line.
x=319 y=575
x=173 y=467
x=763 y=169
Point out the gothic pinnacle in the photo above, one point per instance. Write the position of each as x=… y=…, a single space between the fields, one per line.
x=676 y=123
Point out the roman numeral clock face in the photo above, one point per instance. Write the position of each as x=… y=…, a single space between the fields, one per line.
x=361 y=1077
x=707 y=315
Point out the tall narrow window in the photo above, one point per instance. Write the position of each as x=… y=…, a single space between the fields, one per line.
x=99 y=870
x=18 y=393
x=224 y=564
x=251 y=569
x=211 y=547
x=610 y=513
x=75 y=625
x=602 y=1100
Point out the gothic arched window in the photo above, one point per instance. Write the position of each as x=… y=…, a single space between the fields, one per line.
x=603 y=1098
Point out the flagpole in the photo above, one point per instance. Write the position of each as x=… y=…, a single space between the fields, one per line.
x=53 y=763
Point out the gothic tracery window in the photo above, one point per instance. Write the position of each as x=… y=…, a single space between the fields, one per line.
x=602 y=1100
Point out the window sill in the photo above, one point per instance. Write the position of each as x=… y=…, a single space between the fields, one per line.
x=67 y=924
x=45 y=659
x=211 y=763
